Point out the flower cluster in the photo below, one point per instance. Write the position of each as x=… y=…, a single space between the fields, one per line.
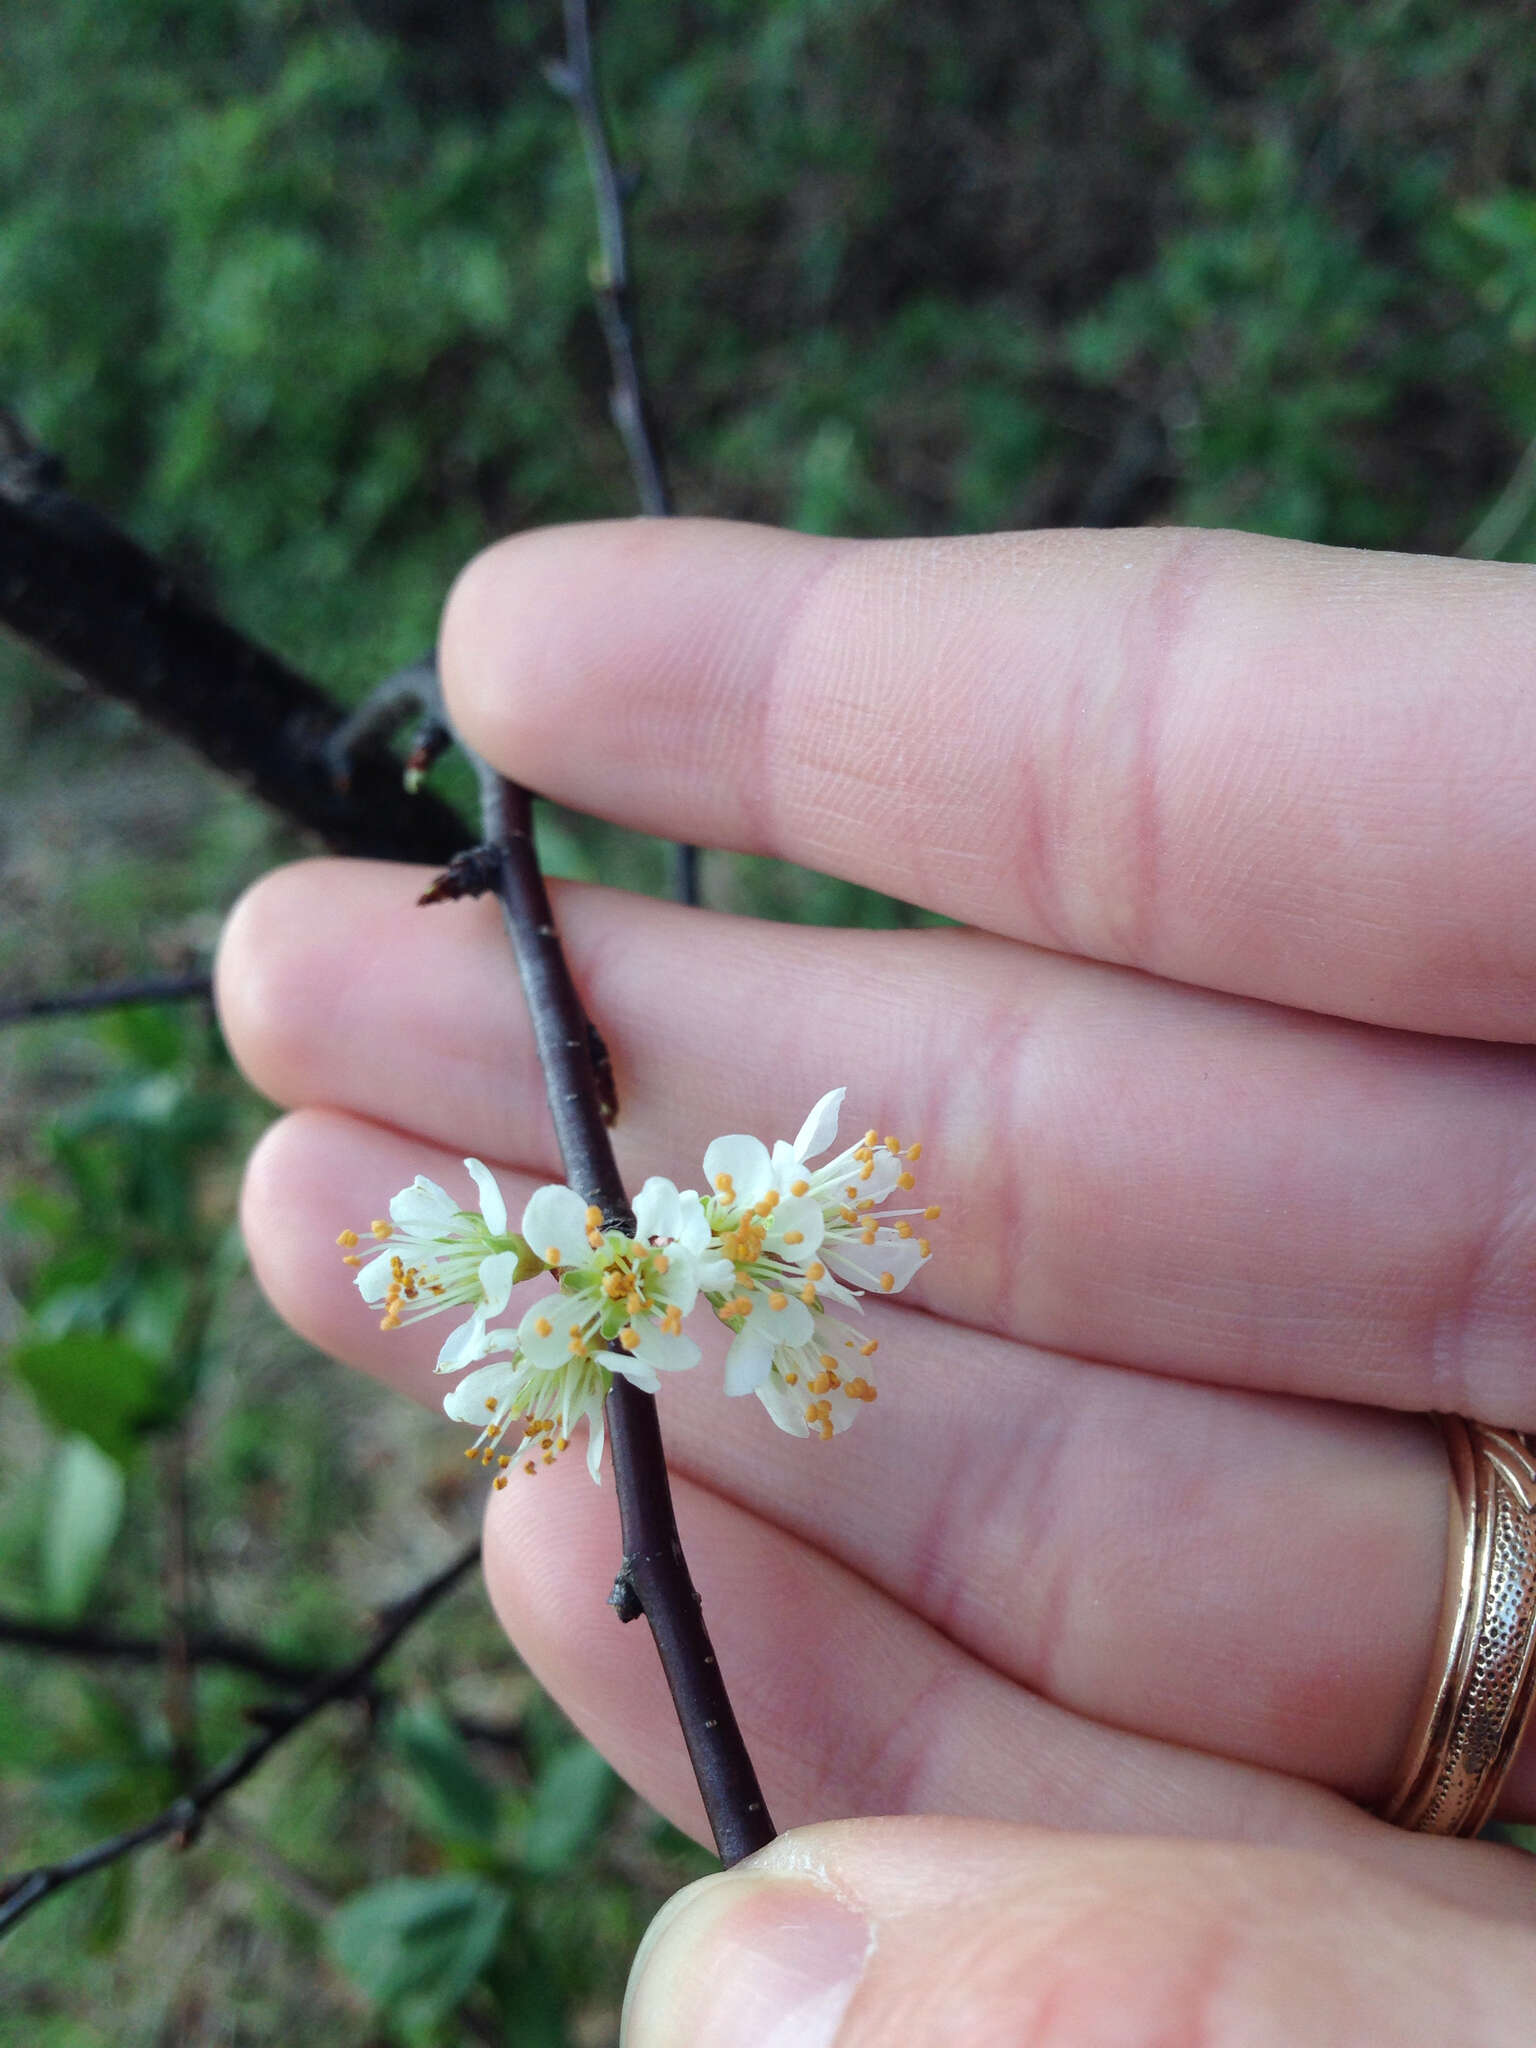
x=772 y=1247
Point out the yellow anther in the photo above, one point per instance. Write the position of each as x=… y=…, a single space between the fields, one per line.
x=629 y=1337
x=562 y=1443
x=871 y=1137
x=791 y=1379
x=672 y=1321
x=389 y=1322
x=380 y=1227
x=576 y=1348
x=906 y=1180
x=347 y=1239
x=866 y=1169
x=470 y=1452
x=486 y=1459
x=595 y=1240
x=544 y=1327
x=574 y=1330
x=530 y=1468
x=777 y=1300
x=925 y=1247
x=932 y=1212
x=868 y=1350
x=800 y=1187
x=851 y=1193
x=548 y=1458
x=820 y=1384
x=903 y=1228
x=816 y=1271
x=914 y=1152
x=887 y=1282
x=725 y=1185
x=868 y=1234
x=551 y=1255
x=769 y=1203
x=634 y=1305
x=892 y=1144
x=503 y=1462
x=546 y=1443
x=662 y=1263
x=849 y=1215
x=490 y=1402
x=810 y=1411
x=794 y=1237
x=594 y=1217
x=351 y=1259
x=808 y=1294
x=501 y=1480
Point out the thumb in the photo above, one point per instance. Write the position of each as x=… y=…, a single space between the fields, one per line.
x=967 y=1934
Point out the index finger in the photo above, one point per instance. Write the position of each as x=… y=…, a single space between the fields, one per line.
x=1288 y=771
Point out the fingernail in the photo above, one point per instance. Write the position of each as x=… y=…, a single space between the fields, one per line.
x=745 y=1962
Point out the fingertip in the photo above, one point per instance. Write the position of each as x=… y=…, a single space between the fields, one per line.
x=613 y=663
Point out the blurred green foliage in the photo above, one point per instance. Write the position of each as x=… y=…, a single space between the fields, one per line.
x=300 y=294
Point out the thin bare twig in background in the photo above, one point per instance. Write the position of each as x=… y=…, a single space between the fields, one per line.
x=106 y=995
x=629 y=398
x=184 y=1817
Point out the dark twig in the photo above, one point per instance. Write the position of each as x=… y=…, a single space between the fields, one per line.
x=107 y=995
x=184 y=1817
x=84 y=594
x=629 y=399
x=653 y=1578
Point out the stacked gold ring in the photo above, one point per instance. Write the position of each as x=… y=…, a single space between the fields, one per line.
x=1482 y=1681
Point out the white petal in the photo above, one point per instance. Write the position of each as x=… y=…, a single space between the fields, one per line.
x=885 y=1171
x=716 y=1276
x=864 y=1264
x=555 y=1220
x=820 y=1127
x=661 y=1352
x=424 y=1209
x=463 y=1345
x=595 y=1443
x=493 y=1205
x=466 y=1401
x=635 y=1369
x=748 y=1362
x=798 y=1212
x=680 y=1288
x=550 y=1351
x=784 y=1404
x=791 y=1324
x=374 y=1278
x=692 y=1224
x=496 y=1275
x=658 y=1212
x=747 y=1163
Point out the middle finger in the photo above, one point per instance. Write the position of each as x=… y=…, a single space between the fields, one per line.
x=1129 y=1170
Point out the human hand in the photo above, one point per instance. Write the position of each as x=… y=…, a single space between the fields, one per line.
x=1213 y=1099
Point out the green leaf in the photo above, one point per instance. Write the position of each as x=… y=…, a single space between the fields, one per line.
x=570 y=1804
x=83 y=1514
x=415 y=1945
x=458 y=1803
x=93 y=1384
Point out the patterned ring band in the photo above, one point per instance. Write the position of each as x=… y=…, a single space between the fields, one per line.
x=1482 y=1678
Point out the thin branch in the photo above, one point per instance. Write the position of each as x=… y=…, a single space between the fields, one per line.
x=205 y=1647
x=1508 y=512
x=653 y=1578
x=79 y=591
x=629 y=398
x=184 y=1817
x=107 y=995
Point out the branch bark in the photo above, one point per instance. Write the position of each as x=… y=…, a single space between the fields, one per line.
x=79 y=591
x=653 y=1578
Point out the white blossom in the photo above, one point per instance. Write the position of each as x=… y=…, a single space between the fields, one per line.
x=797 y=1237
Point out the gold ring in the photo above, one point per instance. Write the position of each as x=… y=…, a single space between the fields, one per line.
x=1482 y=1676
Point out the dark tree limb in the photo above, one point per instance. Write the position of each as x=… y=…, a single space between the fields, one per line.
x=653 y=1578
x=185 y=1816
x=79 y=591
x=107 y=995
